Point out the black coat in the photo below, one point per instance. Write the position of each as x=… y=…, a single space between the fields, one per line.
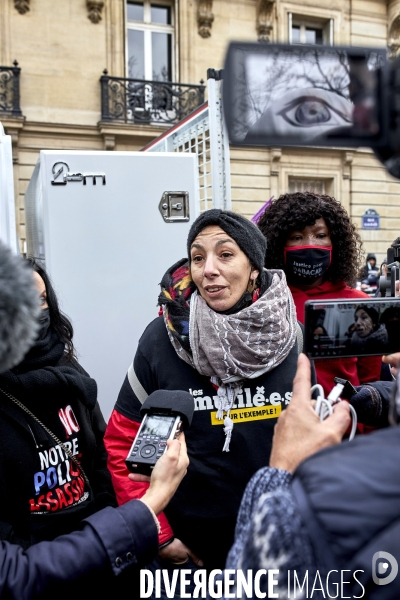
x=349 y=497
x=107 y=545
x=204 y=508
x=43 y=491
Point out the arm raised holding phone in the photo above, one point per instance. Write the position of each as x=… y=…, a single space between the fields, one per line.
x=322 y=506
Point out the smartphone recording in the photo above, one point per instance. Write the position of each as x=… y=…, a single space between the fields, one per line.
x=277 y=94
x=335 y=329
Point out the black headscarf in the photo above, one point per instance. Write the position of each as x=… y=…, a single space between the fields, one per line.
x=371 y=312
x=247 y=236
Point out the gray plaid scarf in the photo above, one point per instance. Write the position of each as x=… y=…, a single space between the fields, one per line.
x=245 y=345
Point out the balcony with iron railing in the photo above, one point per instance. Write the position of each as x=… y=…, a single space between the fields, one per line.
x=9 y=91
x=147 y=102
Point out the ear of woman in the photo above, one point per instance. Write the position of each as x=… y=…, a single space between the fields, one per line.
x=253 y=283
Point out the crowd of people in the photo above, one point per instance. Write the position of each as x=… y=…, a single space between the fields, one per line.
x=370 y=274
x=259 y=482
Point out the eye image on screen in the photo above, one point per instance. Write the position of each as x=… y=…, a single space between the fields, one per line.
x=306 y=94
x=157 y=425
x=354 y=329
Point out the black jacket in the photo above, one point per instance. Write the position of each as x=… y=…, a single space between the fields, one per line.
x=107 y=545
x=204 y=509
x=43 y=490
x=367 y=267
x=349 y=498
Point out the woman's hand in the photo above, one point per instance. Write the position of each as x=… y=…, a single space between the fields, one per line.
x=167 y=474
x=394 y=361
x=177 y=552
x=299 y=432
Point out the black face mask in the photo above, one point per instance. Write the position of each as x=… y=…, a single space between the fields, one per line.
x=44 y=322
x=305 y=264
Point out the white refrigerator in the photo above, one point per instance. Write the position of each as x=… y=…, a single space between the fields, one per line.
x=8 y=231
x=107 y=225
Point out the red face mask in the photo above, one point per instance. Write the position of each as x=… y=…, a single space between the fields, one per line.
x=305 y=264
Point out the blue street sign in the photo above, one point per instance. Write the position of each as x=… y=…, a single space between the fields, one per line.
x=370 y=219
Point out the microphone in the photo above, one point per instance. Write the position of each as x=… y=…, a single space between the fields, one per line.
x=165 y=414
x=171 y=402
x=19 y=309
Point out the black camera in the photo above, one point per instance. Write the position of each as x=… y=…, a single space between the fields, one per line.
x=307 y=95
x=165 y=414
x=387 y=284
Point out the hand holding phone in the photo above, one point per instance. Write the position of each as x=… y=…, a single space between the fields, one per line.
x=299 y=431
x=394 y=361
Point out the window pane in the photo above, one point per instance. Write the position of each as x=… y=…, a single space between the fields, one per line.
x=161 y=14
x=317 y=186
x=135 y=54
x=134 y=11
x=295 y=34
x=161 y=46
x=313 y=36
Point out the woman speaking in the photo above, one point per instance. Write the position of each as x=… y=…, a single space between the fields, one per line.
x=369 y=335
x=227 y=334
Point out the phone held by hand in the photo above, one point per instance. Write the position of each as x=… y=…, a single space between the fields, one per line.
x=336 y=328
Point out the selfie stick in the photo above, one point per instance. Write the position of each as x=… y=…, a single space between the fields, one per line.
x=324 y=406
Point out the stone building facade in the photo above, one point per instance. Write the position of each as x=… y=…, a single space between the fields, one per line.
x=63 y=49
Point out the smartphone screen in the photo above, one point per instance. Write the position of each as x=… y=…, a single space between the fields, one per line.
x=277 y=94
x=358 y=328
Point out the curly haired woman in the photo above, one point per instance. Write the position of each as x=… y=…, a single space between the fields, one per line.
x=305 y=228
